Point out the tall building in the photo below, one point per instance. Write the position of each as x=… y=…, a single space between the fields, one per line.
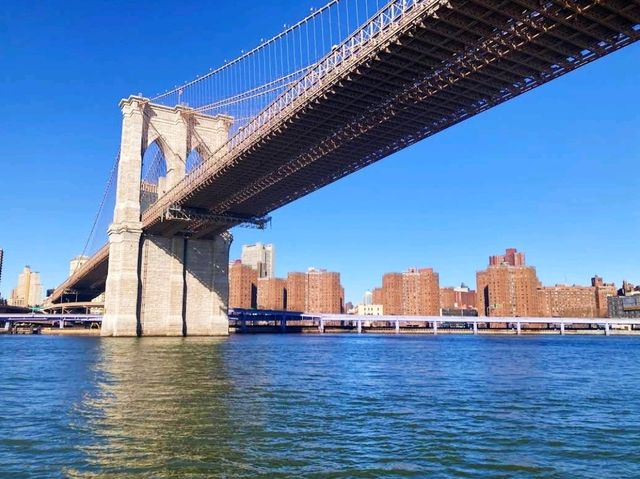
x=562 y=301
x=28 y=292
x=272 y=293
x=603 y=292
x=376 y=296
x=414 y=292
x=316 y=291
x=76 y=263
x=243 y=286
x=367 y=298
x=457 y=298
x=324 y=292
x=260 y=257
x=511 y=257
x=392 y=297
x=508 y=287
x=296 y=291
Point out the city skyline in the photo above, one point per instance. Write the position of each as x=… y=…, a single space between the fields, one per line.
x=512 y=257
x=356 y=297
x=536 y=173
x=507 y=287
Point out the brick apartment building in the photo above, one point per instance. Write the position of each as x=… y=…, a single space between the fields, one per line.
x=414 y=292
x=296 y=285
x=562 y=301
x=377 y=296
x=603 y=291
x=316 y=291
x=457 y=298
x=508 y=287
x=243 y=286
x=576 y=301
x=272 y=293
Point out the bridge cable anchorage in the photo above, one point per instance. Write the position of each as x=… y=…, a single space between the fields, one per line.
x=203 y=216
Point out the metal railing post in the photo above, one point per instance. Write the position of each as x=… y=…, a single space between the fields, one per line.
x=435 y=327
x=475 y=327
x=359 y=322
x=562 y=328
x=397 y=326
x=518 y=328
x=607 y=332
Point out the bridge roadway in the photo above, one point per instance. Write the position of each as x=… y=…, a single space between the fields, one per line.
x=37 y=319
x=407 y=74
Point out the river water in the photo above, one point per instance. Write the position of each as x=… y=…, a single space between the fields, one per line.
x=320 y=407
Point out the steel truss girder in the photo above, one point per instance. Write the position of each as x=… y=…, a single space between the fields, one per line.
x=203 y=217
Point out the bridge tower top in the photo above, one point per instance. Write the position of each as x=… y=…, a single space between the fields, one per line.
x=177 y=131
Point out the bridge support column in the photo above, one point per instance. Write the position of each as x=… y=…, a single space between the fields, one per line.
x=206 y=295
x=183 y=290
x=162 y=286
x=121 y=295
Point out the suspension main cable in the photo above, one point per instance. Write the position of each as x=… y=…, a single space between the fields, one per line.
x=110 y=182
x=250 y=52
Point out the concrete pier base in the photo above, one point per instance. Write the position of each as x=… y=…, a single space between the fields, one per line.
x=162 y=287
x=121 y=298
x=179 y=288
x=207 y=286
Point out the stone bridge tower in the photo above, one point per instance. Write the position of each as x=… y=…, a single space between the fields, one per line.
x=163 y=286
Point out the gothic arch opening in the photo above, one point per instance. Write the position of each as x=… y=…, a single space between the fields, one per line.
x=153 y=174
x=194 y=159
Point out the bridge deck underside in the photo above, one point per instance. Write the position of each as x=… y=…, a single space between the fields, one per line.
x=442 y=65
x=436 y=72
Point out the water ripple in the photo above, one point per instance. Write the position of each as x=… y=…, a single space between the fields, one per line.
x=320 y=407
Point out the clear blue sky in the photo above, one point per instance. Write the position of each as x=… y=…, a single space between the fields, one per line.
x=553 y=173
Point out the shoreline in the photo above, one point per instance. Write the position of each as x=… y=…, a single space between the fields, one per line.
x=366 y=331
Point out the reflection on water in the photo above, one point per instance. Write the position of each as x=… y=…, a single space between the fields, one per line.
x=158 y=407
x=320 y=406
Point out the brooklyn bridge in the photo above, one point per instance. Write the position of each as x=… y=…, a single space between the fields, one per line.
x=350 y=84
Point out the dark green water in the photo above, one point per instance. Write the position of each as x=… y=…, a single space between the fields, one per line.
x=320 y=406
